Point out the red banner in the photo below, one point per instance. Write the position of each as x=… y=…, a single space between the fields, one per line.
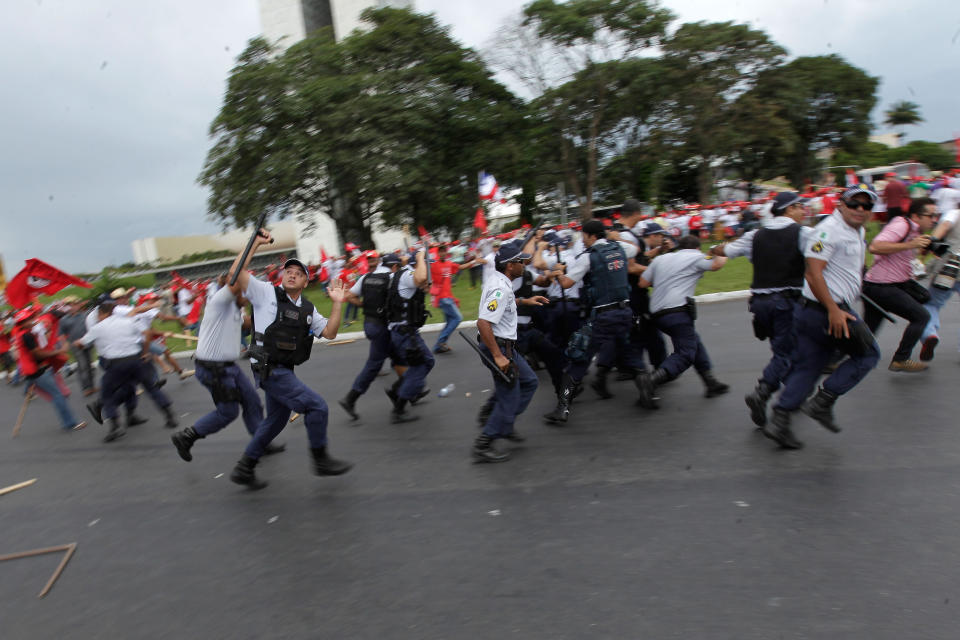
x=36 y=278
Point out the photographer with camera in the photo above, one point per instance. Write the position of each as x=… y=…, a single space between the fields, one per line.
x=890 y=283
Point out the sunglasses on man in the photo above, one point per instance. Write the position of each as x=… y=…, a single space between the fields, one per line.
x=854 y=204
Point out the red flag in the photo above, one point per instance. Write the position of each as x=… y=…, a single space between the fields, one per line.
x=422 y=231
x=38 y=277
x=479 y=221
x=323 y=255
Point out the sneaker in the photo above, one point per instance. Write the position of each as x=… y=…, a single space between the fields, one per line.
x=907 y=366
x=926 y=351
x=443 y=349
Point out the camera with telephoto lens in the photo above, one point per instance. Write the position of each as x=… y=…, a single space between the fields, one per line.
x=938 y=247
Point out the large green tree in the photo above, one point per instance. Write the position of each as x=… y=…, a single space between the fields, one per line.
x=826 y=101
x=708 y=66
x=390 y=124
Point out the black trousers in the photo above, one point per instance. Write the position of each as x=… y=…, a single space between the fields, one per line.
x=900 y=303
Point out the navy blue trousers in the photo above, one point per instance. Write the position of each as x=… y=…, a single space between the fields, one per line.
x=285 y=393
x=773 y=319
x=563 y=320
x=532 y=340
x=814 y=348
x=407 y=343
x=232 y=378
x=687 y=347
x=509 y=401
x=118 y=386
x=381 y=348
x=611 y=343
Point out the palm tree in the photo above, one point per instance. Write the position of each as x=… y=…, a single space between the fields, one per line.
x=901 y=114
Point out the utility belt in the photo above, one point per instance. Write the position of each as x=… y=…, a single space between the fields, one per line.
x=106 y=363
x=814 y=304
x=405 y=329
x=575 y=301
x=623 y=304
x=261 y=364
x=793 y=294
x=215 y=366
x=689 y=308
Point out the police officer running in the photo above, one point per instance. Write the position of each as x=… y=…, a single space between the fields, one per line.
x=674 y=278
x=776 y=251
x=826 y=321
x=603 y=270
x=372 y=292
x=497 y=329
x=407 y=313
x=284 y=326
x=218 y=350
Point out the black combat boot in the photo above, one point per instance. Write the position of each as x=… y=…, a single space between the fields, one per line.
x=714 y=386
x=757 y=401
x=484 y=414
x=171 y=422
x=96 y=410
x=420 y=396
x=562 y=411
x=515 y=436
x=183 y=440
x=599 y=383
x=243 y=474
x=647 y=384
x=399 y=414
x=392 y=391
x=820 y=408
x=133 y=419
x=116 y=430
x=779 y=430
x=349 y=403
x=483 y=450
x=273 y=448
x=325 y=465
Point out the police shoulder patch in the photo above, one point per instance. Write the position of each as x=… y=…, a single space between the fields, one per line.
x=817 y=248
x=492 y=306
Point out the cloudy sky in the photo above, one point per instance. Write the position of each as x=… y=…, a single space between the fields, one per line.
x=107 y=103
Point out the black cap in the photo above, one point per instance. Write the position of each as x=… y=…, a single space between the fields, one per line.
x=652 y=228
x=296 y=263
x=512 y=251
x=786 y=199
x=595 y=228
x=390 y=259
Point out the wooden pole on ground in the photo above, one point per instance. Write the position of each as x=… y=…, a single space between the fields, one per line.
x=67 y=548
x=23 y=412
x=14 y=487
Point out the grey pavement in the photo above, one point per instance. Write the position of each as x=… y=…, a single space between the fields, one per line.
x=679 y=523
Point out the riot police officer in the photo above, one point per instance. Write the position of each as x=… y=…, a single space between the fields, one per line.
x=407 y=312
x=776 y=251
x=602 y=267
x=284 y=326
x=513 y=379
x=372 y=292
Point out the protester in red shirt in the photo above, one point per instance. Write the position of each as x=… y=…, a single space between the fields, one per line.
x=895 y=195
x=441 y=273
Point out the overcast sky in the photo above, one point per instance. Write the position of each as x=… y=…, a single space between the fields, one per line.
x=107 y=103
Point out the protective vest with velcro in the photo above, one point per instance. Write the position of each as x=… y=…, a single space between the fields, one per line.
x=778 y=262
x=288 y=340
x=375 y=292
x=607 y=279
x=525 y=291
x=411 y=311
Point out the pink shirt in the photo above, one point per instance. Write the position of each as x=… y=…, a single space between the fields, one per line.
x=894 y=267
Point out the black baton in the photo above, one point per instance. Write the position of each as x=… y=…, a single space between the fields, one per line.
x=486 y=360
x=882 y=311
x=262 y=220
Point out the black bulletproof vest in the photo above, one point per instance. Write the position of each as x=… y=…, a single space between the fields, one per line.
x=375 y=292
x=288 y=341
x=525 y=291
x=607 y=279
x=412 y=310
x=777 y=260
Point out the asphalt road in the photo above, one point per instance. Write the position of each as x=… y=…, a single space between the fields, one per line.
x=680 y=523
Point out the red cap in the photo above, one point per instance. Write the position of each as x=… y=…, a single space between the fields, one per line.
x=24 y=314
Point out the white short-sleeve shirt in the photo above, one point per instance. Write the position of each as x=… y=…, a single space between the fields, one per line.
x=219 y=335
x=115 y=337
x=674 y=277
x=498 y=306
x=264 y=300
x=843 y=249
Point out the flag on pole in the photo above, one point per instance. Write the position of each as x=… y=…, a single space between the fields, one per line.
x=38 y=277
x=486 y=186
x=479 y=221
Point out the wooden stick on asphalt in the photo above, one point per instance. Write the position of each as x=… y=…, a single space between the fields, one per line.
x=23 y=412
x=294 y=416
x=14 y=487
x=67 y=548
x=182 y=336
x=342 y=341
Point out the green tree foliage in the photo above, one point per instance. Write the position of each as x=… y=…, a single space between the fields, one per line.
x=826 y=103
x=389 y=124
x=902 y=113
x=709 y=66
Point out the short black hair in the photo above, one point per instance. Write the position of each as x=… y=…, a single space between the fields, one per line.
x=917 y=205
x=689 y=242
x=630 y=206
x=594 y=228
x=106 y=307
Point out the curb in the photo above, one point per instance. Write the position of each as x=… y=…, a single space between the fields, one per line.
x=707 y=298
